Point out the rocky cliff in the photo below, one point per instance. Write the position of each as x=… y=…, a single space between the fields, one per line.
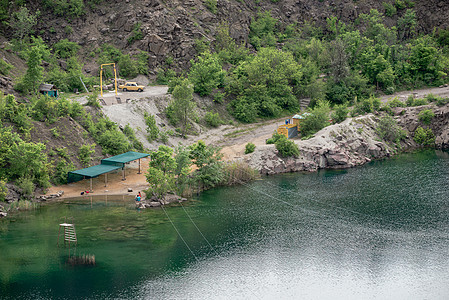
x=170 y=28
x=351 y=143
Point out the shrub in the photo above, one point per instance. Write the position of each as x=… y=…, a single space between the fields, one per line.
x=65 y=49
x=4 y=67
x=420 y=101
x=237 y=172
x=113 y=142
x=26 y=185
x=60 y=172
x=426 y=116
x=424 y=136
x=390 y=10
x=340 y=113
x=442 y=101
x=206 y=74
x=3 y=189
x=389 y=130
x=152 y=129
x=274 y=138
x=85 y=154
x=213 y=119
x=249 y=148
x=92 y=100
x=211 y=5
x=136 y=34
x=395 y=102
x=287 y=147
x=317 y=120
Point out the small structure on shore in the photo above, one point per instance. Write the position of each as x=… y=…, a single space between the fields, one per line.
x=49 y=90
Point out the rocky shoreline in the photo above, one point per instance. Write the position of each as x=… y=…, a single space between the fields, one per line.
x=351 y=143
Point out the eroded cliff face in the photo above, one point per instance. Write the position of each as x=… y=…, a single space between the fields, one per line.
x=170 y=28
x=351 y=143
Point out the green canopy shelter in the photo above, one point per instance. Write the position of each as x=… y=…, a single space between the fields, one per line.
x=91 y=172
x=122 y=159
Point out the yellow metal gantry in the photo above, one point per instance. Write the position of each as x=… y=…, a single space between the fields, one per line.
x=101 y=77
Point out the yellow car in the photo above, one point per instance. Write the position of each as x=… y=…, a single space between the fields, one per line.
x=131 y=86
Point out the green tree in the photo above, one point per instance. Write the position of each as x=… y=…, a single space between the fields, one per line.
x=426 y=116
x=208 y=160
x=34 y=74
x=22 y=22
x=407 y=25
x=317 y=119
x=65 y=49
x=152 y=129
x=161 y=172
x=286 y=147
x=262 y=32
x=85 y=154
x=183 y=105
x=206 y=73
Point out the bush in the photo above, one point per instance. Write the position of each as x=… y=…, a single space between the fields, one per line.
x=211 y=5
x=340 y=113
x=206 y=74
x=213 y=119
x=442 y=101
x=390 y=10
x=426 y=116
x=3 y=189
x=316 y=120
x=60 y=172
x=274 y=138
x=249 y=148
x=26 y=185
x=389 y=130
x=420 y=101
x=92 y=100
x=65 y=49
x=113 y=142
x=424 y=136
x=287 y=147
x=152 y=129
x=4 y=67
x=85 y=154
x=395 y=102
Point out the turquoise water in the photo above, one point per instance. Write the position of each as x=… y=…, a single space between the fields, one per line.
x=380 y=231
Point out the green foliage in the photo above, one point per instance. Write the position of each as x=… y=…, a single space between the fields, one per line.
x=34 y=74
x=340 y=113
x=426 y=116
x=136 y=34
x=129 y=132
x=142 y=62
x=226 y=47
x=274 y=138
x=26 y=185
x=286 y=147
x=66 y=49
x=208 y=160
x=264 y=85
x=411 y=101
x=127 y=67
x=389 y=130
x=19 y=159
x=211 y=5
x=22 y=22
x=366 y=106
x=212 y=119
x=60 y=172
x=152 y=129
x=113 y=142
x=69 y=8
x=424 y=136
x=249 y=148
x=161 y=172
x=85 y=154
x=182 y=104
x=262 y=32
x=395 y=102
x=165 y=76
x=4 y=67
x=92 y=100
x=390 y=9
x=206 y=74
x=14 y=112
x=407 y=24
x=3 y=189
x=317 y=119
x=426 y=61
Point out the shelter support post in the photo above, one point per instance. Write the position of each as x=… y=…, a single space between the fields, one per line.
x=139 y=168
x=91 y=184
x=123 y=172
x=105 y=179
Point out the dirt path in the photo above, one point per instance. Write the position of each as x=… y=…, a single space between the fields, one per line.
x=232 y=139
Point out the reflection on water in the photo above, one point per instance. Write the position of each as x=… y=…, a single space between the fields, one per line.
x=376 y=232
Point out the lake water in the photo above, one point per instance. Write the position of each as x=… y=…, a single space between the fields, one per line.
x=380 y=231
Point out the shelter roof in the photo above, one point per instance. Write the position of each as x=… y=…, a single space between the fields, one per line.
x=45 y=87
x=94 y=171
x=124 y=158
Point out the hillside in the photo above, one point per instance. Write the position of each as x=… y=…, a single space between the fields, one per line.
x=224 y=63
